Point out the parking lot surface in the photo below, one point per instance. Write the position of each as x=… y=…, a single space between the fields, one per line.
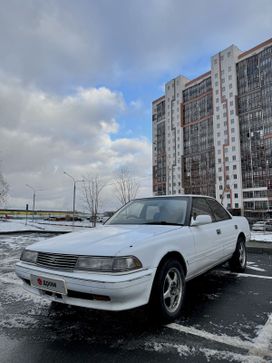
x=226 y=317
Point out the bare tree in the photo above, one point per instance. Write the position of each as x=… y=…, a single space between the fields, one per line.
x=126 y=186
x=91 y=190
x=4 y=188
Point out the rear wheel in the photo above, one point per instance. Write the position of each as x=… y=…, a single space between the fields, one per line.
x=168 y=291
x=238 y=260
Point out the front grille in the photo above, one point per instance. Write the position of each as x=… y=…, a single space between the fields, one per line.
x=57 y=261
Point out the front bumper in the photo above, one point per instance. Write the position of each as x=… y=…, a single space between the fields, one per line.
x=124 y=291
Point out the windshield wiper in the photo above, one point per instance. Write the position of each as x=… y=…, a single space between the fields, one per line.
x=165 y=223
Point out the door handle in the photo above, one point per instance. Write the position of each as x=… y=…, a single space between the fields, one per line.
x=218 y=231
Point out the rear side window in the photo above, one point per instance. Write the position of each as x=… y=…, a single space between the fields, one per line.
x=201 y=207
x=219 y=212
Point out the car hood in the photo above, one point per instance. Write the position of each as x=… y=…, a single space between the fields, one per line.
x=107 y=240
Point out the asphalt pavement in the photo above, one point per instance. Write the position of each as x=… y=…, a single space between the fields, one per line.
x=226 y=317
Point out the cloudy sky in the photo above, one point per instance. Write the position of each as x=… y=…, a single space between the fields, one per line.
x=77 y=79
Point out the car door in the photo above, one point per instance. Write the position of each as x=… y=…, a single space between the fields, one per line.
x=226 y=226
x=209 y=249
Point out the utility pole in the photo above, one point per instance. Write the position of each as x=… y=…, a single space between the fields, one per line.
x=74 y=193
x=33 y=200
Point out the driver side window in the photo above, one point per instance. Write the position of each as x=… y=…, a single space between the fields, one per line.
x=201 y=207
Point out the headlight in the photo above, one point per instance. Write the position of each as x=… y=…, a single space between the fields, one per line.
x=29 y=256
x=108 y=264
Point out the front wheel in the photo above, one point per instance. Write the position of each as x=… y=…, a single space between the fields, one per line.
x=238 y=260
x=168 y=291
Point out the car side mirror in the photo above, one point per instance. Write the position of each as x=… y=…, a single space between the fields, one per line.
x=201 y=219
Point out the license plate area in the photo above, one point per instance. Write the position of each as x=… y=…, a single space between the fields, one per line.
x=48 y=284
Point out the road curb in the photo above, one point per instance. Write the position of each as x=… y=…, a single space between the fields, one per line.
x=259 y=247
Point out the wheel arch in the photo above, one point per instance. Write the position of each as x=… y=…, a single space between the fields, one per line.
x=241 y=236
x=173 y=255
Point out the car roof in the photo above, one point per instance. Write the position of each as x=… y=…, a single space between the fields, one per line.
x=177 y=195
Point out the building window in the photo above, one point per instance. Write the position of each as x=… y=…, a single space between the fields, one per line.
x=233 y=130
x=235 y=186
x=236 y=195
x=234 y=176
x=234 y=157
x=220 y=187
x=236 y=205
x=231 y=94
x=232 y=121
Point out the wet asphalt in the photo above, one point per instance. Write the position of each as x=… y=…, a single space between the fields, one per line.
x=223 y=318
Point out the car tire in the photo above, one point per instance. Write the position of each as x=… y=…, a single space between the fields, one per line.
x=168 y=291
x=238 y=260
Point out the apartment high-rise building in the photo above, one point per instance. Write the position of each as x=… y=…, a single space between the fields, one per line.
x=213 y=135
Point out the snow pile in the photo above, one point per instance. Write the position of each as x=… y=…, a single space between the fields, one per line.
x=261 y=236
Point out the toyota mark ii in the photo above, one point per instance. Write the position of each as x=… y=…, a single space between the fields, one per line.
x=144 y=254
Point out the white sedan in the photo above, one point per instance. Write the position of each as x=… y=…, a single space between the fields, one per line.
x=144 y=254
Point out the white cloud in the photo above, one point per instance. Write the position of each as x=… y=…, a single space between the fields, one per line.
x=54 y=44
x=51 y=119
x=42 y=135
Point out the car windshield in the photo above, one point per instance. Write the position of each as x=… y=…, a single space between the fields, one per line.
x=170 y=211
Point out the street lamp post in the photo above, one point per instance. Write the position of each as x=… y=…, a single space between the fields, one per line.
x=33 y=200
x=74 y=193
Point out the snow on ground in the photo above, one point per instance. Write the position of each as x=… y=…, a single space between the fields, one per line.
x=261 y=236
x=11 y=226
x=11 y=286
x=41 y=225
